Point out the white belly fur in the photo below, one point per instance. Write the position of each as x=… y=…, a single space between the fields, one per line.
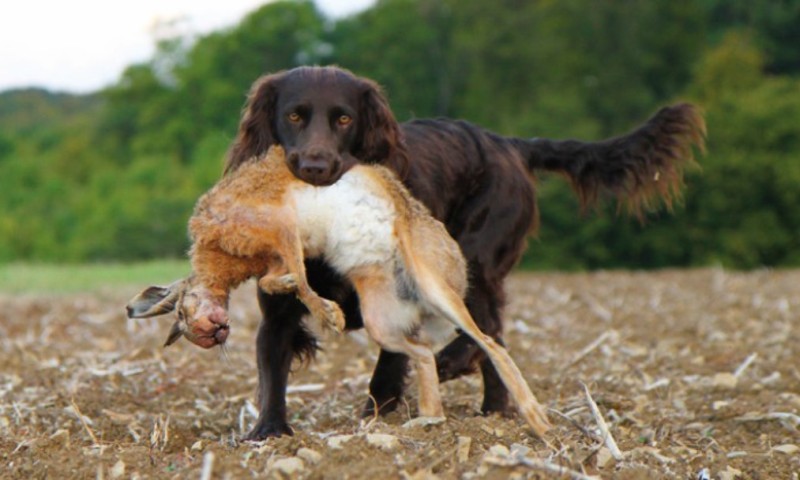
x=350 y=225
x=346 y=223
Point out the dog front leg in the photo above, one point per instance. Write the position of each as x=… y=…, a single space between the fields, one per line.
x=280 y=338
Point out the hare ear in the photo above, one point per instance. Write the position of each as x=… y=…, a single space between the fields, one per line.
x=155 y=300
x=175 y=332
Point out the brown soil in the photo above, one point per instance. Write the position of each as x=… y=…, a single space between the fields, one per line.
x=691 y=370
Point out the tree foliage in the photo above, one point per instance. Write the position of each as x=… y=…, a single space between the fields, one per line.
x=114 y=175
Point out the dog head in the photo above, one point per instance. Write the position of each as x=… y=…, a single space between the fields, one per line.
x=326 y=118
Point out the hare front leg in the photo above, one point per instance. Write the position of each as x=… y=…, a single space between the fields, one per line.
x=278 y=280
x=287 y=274
x=325 y=311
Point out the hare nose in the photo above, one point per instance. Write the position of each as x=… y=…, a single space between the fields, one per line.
x=222 y=333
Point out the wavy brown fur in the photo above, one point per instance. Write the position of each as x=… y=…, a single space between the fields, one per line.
x=641 y=169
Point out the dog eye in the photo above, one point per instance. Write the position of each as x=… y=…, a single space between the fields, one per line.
x=295 y=117
x=344 y=120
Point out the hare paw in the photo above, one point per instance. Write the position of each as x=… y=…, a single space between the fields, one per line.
x=333 y=316
x=276 y=285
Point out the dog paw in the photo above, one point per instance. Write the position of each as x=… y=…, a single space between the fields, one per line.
x=386 y=406
x=496 y=401
x=264 y=430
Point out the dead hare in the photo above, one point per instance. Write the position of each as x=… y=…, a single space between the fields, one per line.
x=410 y=276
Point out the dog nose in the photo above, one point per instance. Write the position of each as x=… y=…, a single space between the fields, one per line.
x=314 y=171
x=312 y=167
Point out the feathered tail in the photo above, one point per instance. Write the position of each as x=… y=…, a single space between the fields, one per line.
x=641 y=169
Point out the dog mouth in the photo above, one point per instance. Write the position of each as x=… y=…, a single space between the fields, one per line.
x=325 y=183
x=317 y=170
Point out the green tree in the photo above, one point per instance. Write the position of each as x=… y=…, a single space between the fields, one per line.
x=405 y=45
x=114 y=175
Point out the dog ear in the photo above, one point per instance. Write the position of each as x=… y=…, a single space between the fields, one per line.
x=257 y=127
x=155 y=300
x=379 y=132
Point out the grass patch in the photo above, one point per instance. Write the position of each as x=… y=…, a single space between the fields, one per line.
x=72 y=278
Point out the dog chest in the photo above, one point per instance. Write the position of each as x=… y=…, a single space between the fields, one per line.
x=346 y=223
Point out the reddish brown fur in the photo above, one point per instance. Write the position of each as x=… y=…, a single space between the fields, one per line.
x=242 y=228
x=411 y=278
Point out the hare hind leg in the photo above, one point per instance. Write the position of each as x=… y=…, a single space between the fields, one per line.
x=388 y=320
x=534 y=413
x=430 y=399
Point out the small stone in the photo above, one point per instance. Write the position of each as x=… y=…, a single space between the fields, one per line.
x=499 y=450
x=289 y=465
x=462 y=449
x=118 y=470
x=787 y=448
x=311 y=456
x=724 y=380
x=720 y=404
x=498 y=455
x=793 y=398
x=519 y=450
x=197 y=446
x=336 y=441
x=698 y=360
x=423 y=422
x=383 y=441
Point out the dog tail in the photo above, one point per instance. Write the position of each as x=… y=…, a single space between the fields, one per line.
x=642 y=168
x=442 y=300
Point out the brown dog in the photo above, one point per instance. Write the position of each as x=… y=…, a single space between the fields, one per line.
x=478 y=183
x=409 y=274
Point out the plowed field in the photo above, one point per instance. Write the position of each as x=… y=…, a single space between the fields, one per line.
x=693 y=372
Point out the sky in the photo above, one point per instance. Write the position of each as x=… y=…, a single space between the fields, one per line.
x=81 y=46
